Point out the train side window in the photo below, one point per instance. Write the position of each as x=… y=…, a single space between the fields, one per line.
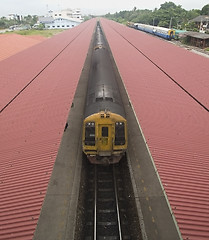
x=90 y=134
x=104 y=131
x=120 y=133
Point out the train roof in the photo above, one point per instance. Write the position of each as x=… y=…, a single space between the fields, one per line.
x=156 y=27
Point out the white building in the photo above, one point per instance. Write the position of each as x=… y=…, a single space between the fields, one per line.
x=64 y=19
x=71 y=14
x=61 y=23
x=13 y=16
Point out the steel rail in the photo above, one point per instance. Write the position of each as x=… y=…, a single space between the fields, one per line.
x=117 y=205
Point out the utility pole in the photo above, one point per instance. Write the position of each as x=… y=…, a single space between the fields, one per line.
x=47 y=10
x=170 y=23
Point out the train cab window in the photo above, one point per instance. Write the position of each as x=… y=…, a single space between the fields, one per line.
x=109 y=99
x=120 y=133
x=99 y=99
x=90 y=134
x=104 y=131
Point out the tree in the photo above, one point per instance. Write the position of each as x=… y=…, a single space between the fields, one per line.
x=2 y=23
x=168 y=5
x=168 y=14
x=5 y=23
x=205 y=10
x=31 y=20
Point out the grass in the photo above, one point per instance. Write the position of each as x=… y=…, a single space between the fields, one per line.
x=44 y=33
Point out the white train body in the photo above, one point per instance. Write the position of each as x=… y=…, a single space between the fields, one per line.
x=166 y=33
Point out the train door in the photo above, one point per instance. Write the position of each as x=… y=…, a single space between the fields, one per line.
x=105 y=139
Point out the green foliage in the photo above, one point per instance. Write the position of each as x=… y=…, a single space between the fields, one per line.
x=4 y=23
x=143 y=16
x=205 y=10
x=168 y=15
x=31 y=20
x=45 y=33
x=27 y=20
x=167 y=5
x=86 y=18
x=40 y=26
x=185 y=40
x=191 y=26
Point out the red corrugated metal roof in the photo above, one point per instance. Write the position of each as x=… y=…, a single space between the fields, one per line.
x=31 y=126
x=23 y=67
x=37 y=37
x=188 y=69
x=11 y=44
x=175 y=126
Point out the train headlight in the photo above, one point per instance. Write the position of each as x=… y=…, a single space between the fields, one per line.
x=90 y=124
x=119 y=123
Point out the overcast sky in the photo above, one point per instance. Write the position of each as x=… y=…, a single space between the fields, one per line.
x=40 y=7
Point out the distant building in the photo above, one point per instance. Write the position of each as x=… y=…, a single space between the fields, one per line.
x=62 y=20
x=196 y=39
x=14 y=16
x=61 y=23
x=202 y=22
x=70 y=14
x=45 y=20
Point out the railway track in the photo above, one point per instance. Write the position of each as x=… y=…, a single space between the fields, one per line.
x=106 y=216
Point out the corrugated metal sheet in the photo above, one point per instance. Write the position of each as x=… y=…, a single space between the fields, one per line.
x=11 y=44
x=25 y=66
x=187 y=68
x=31 y=126
x=175 y=126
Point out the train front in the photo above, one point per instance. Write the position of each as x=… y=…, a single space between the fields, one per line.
x=104 y=137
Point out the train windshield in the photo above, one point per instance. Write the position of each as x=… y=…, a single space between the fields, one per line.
x=90 y=134
x=104 y=131
x=119 y=133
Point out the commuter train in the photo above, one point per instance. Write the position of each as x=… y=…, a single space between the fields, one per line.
x=104 y=139
x=166 y=33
